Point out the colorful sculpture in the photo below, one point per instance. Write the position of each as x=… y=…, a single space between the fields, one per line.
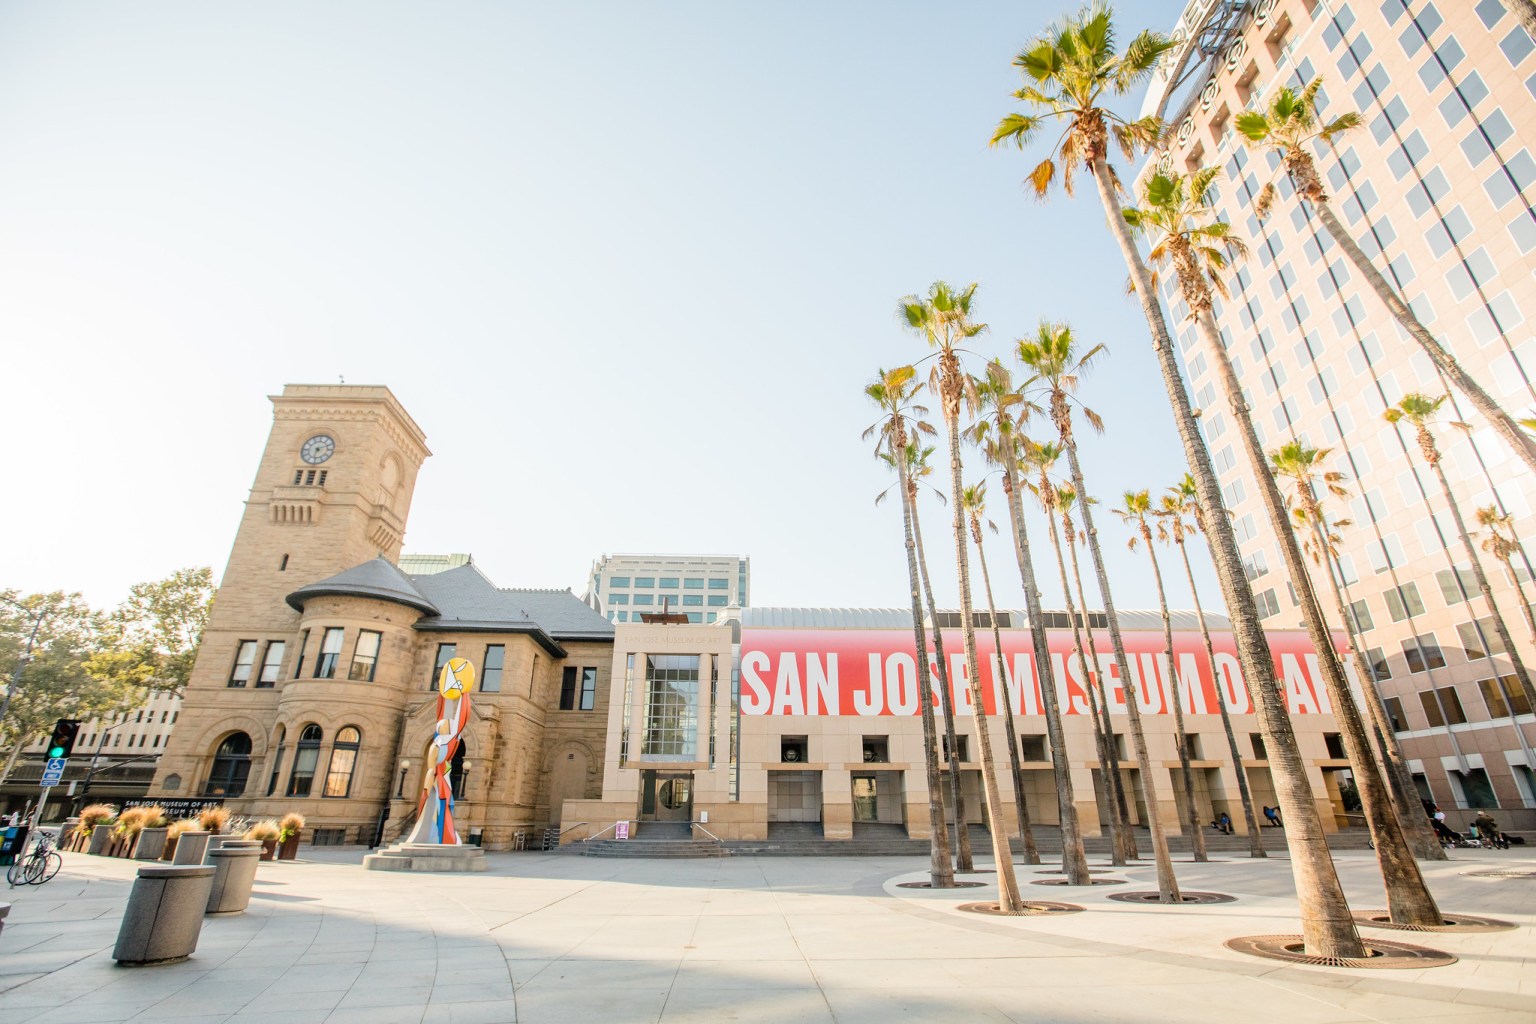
x=434 y=819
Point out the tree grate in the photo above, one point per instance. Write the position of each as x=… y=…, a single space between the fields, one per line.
x=1453 y=923
x=1380 y=955
x=1032 y=908
x=940 y=888
x=1186 y=896
x=1068 y=881
x=1091 y=871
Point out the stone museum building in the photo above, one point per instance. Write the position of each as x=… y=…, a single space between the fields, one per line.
x=314 y=686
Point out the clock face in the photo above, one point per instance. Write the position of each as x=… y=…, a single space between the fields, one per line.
x=317 y=449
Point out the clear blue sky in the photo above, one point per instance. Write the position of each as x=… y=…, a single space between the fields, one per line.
x=628 y=265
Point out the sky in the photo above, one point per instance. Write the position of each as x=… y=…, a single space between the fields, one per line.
x=628 y=265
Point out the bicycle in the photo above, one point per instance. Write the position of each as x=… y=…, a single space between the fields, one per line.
x=38 y=866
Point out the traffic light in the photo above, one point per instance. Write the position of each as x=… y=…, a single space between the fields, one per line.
x=64 y=732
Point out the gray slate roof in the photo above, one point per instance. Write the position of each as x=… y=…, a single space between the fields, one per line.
x=464 y=599
x=375 y=578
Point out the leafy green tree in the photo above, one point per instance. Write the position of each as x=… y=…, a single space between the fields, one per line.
x=151 y=639
x=900 y=426
x=1181 y=507
x=1136 y=511
x=943 y=318
x=1287 y=127
x=53 y=682
x=1072 y=73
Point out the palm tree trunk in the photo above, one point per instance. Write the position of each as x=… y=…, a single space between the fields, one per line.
x=1483 y=402
x=963 y=860
x=1007 y=882
x=1117 y=827
x=1005 y=698
x=1426 y=846
x=1408 y=898
x=1327 y=927
x=1514 y=581
x=1073 y=859
x=1499 y=626
x=1167 y=882
x=941 y=873
x=1192 y=813
x=1255 y=837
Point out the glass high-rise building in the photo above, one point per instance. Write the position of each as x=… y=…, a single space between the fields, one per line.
x=1438 y=185
x=624 y=587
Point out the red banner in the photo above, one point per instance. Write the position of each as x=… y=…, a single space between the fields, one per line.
x=872 y=672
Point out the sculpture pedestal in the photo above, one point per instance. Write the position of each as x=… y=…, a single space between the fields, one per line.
x=427 y=857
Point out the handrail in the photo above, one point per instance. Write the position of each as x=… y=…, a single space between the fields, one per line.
x=569 y=827
x=588 y=839
x=700 y=826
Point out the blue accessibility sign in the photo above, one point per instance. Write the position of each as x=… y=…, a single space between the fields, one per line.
x=53 y=771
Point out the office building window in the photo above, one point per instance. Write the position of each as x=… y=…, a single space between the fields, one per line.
x=490 y=669
x=1456 y=585
x=1479 y=639
x=618 y=599
x=306 y=757
x=1444 y=697
x=667 y=583
x=1377 y=659
x=1500 y=699
x=1267 y=603
x=245 y=659
x=615 y=582
x=645 y=581
x=1422 y=653
x=717 y=584
x=718 y=600
x=693 y=584
x=691 y=600
x=270 y=664
x=1360 y=611
x=365 y=656
x=1404 y=601
x=338 y=780
x=645 y=599
x=1394 y=707
x=445 y=653
x=330 y=653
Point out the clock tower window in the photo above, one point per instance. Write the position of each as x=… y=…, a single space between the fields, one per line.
x=309 y=477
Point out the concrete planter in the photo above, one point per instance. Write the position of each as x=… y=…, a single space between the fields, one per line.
x=151 y=844
x=169 y=853
x=191 y=848
x=164 y=916
x=234 y=869
x=101 y=835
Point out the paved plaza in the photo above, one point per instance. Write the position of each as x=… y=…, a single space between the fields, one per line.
x=547 y=938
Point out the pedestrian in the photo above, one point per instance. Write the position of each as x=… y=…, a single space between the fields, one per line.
x=1272 y=816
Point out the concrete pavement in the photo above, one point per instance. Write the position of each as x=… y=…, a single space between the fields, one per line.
x=549 y=938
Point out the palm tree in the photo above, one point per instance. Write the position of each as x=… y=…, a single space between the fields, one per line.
x=943 y=317
x=1285 y=128
x=900 y=424
x=1503 y=543
x=1057 y=365
x=975 y=500
x=1122 y=841
x=1303 y=466
x=917 y=469
x=1180 y=506
x=1003 y=409
x=1070 y=73
x=1136 y=508
x=1176 y=215
x=1419 y=411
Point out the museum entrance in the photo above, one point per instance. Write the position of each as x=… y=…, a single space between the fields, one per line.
x=666 y=796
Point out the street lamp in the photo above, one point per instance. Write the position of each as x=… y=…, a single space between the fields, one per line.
x=405 y=766
x=26 y=656
x=90 y=773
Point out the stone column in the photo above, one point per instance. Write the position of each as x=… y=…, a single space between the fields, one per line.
x=164 y=916
x=234 y=869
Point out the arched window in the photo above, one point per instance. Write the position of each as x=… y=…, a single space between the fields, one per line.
x=231 y=766
x=338 y=781
x=306 y=756
x=277 y=759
